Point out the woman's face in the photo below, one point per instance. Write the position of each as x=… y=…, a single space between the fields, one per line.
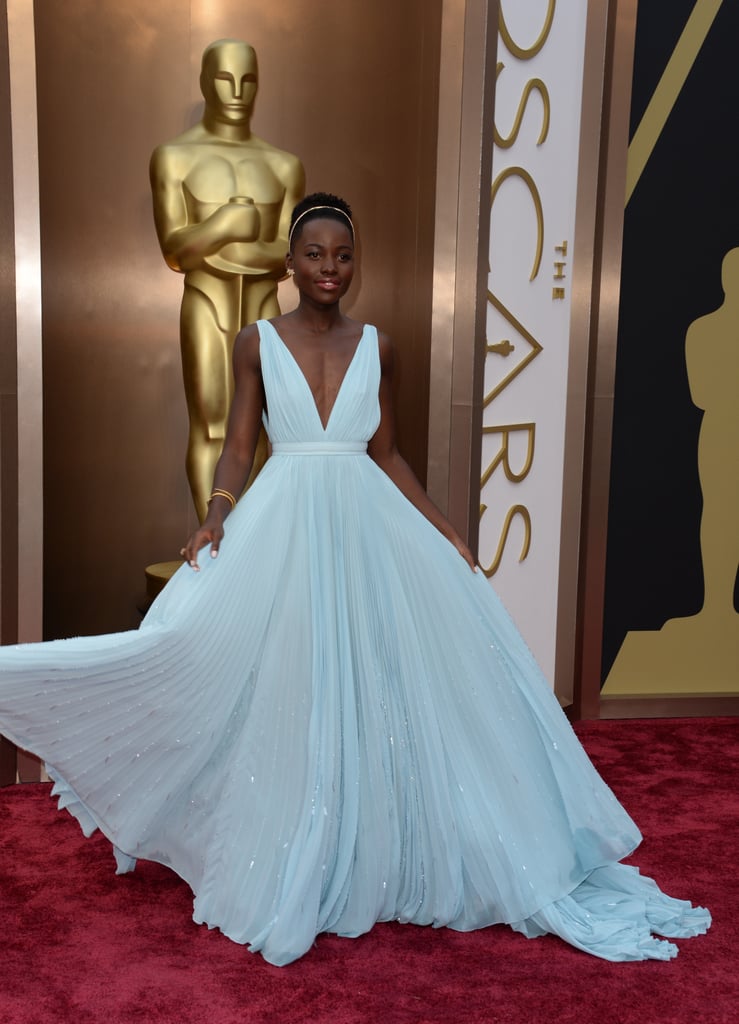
x=322 y=260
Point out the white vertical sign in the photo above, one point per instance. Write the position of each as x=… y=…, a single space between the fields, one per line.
x=532 y=226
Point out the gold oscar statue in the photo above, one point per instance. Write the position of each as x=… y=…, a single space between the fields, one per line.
x=222 y=204
x=699 y=654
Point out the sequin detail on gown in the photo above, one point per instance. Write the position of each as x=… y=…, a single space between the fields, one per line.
x=335 y=722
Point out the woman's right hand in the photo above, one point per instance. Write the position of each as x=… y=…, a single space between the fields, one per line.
x=209 y=533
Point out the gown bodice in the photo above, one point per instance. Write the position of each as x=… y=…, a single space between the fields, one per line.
x=292 y=416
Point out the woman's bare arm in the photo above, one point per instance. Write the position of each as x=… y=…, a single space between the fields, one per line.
x=383 y=450
x=234 y=465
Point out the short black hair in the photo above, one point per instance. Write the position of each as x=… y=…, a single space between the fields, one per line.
x=319 y=204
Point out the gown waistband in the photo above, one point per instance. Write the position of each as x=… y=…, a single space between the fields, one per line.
x=319 y=447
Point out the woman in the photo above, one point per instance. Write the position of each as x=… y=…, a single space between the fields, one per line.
x=332 y=721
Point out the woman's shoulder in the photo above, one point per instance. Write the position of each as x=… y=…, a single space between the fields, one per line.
x=383 y=338
x=384 y=349
x=246 y=348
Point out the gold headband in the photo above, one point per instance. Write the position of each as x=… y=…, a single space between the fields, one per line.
x=312 y=209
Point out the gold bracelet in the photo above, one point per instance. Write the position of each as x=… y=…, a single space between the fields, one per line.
x=218 y=492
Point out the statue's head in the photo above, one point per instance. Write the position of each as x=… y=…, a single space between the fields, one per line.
x=730 y=273
x=228 y=80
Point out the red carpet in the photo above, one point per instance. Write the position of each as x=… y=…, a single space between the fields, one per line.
x=82 y=946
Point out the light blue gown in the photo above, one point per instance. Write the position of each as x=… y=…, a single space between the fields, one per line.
x=335 y=722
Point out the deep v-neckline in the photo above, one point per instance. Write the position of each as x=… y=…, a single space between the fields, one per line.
x=312 y=397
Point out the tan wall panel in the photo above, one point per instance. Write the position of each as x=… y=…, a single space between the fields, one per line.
x=353 y=94
x=8 y=395
x=464 y=167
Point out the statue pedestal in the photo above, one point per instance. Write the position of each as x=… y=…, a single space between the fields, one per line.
x=697 y=656
x=157 y=576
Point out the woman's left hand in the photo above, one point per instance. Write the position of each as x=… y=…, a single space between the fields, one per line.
x=464 y=551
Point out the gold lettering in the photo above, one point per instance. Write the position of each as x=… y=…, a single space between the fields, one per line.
x=535 y=349
x=501 y=348
x=519 y=172
x=533 y=83
x=519 y=51
x=502 y=455
x=515 y=510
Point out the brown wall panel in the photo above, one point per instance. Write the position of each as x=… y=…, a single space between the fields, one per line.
x=8 y=397
x=353 y=94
